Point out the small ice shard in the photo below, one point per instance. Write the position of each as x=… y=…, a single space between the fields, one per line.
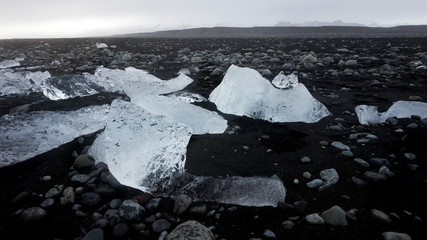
x=401 y=109
x=200 y=120
x=244 y=92
x=283 y=81
x=26 y=135
x=184 y=71
x=9 y=64
x=188 y=97
x=142 y=150
x=244 y=191
x=101 y=45
x=21 y=82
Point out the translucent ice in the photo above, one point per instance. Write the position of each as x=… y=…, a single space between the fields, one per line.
x=244 y=191
x=101 y=45
x=69 y=86
x=283 y=81
x=245 y=92
x=27 y=135
x=10 y=63
x=142 y=150
x=401 y=109
x=188 y=97
x=21 y=82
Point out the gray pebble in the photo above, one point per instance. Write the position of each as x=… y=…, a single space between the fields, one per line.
x=120 y=230
x=314 y=183
x=161 y=225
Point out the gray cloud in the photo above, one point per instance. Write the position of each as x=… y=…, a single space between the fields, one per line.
x=21 y=17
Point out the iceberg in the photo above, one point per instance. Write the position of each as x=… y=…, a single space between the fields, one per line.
x=283 y=81
x=27 y=135
x=244 y=191
x=10 y=63
x=142 y=150
x=21 y=82
x=401 y=109
x=244 y=92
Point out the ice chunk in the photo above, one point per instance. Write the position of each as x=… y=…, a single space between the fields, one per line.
x=138 y=82
x=202 y=121
x=142 y=150
x=21 y=82
x=184 y=71
x=401 y=109
x=283 y=81
x=244 y=92
x=244 y=191
x=9 y=63
x=69 y=86
x=27 y=135
x=101 y=45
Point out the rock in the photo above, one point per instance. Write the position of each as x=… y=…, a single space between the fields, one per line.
x=110 y=213
x=48 y=202
x=46 y=178
x=385 y=171
x=347 y=153
x=375 y=176
x=69 y=196
x=126 y=57
x=95 y=234
x=340 y=146
x=54 y=191
x=361 y=162
x=81 y=178
x=324 y=143
x=351 y=63
x=423 y=122
x=306 y=175
x=330 y=177
x=358 y=181
x=300 y=206
x=395 y=236
x=412 y=126
x=335 y=216
x=288 y=224
x=182 y=203
x=314 y=183
x=21 y=197
x=269 y=234
x=120 y=230
x=335 y=128
x=144 y=198
x=21 y=109
x=190 y=230
x=131 y=210
x=115 y=203
x=90 y=199
x=380 y=215
x=410 y=156
x=83 y=161
x=314 y=218
x=379 y=162
x=351 y=214
x=415 y=98
x=199 y=210
x=305 y=159
x=161 y=225
x=115 y=183
x=33 y=214
x=153 y=205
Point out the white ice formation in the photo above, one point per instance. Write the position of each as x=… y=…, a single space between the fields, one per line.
x=9 y=63
x=26 y=135
x=101 y=45
x=244 y=92
x=283 y=81
x=401 y=109
x=142 y=150
x=21 y=82
x=244 y=191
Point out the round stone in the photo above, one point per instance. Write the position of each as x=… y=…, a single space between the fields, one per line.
x=335 y=216
x=120 y=230
x=161 y=225
x=33 y=214
x=306 y=175
x=84 y=161
x=314 y=183
x=90 y=199
x=314 y=218
x=94 y=234
x=305 y=159
x=182 y=203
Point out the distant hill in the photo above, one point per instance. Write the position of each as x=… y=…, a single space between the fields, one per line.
x=260 y=32
x=319 y=24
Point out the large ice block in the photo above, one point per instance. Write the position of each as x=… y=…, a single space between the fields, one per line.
x=244 y=92
x=21 y=82
x=401 y=109
x=26 y=135
x=142 y=150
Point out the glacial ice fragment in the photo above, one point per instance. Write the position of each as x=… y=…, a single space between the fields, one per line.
x=101 y=45
x=10 y=63
x=244 y=191
x=68 y=86
x=142 y=150
x=244 y=92
x=26 y=135
x=283 y=81
x=21 y=82
x=401 y=109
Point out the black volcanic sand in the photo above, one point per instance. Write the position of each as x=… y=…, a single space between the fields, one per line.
x=222 y=154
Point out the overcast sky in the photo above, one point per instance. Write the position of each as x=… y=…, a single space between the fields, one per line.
x=77 y=18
